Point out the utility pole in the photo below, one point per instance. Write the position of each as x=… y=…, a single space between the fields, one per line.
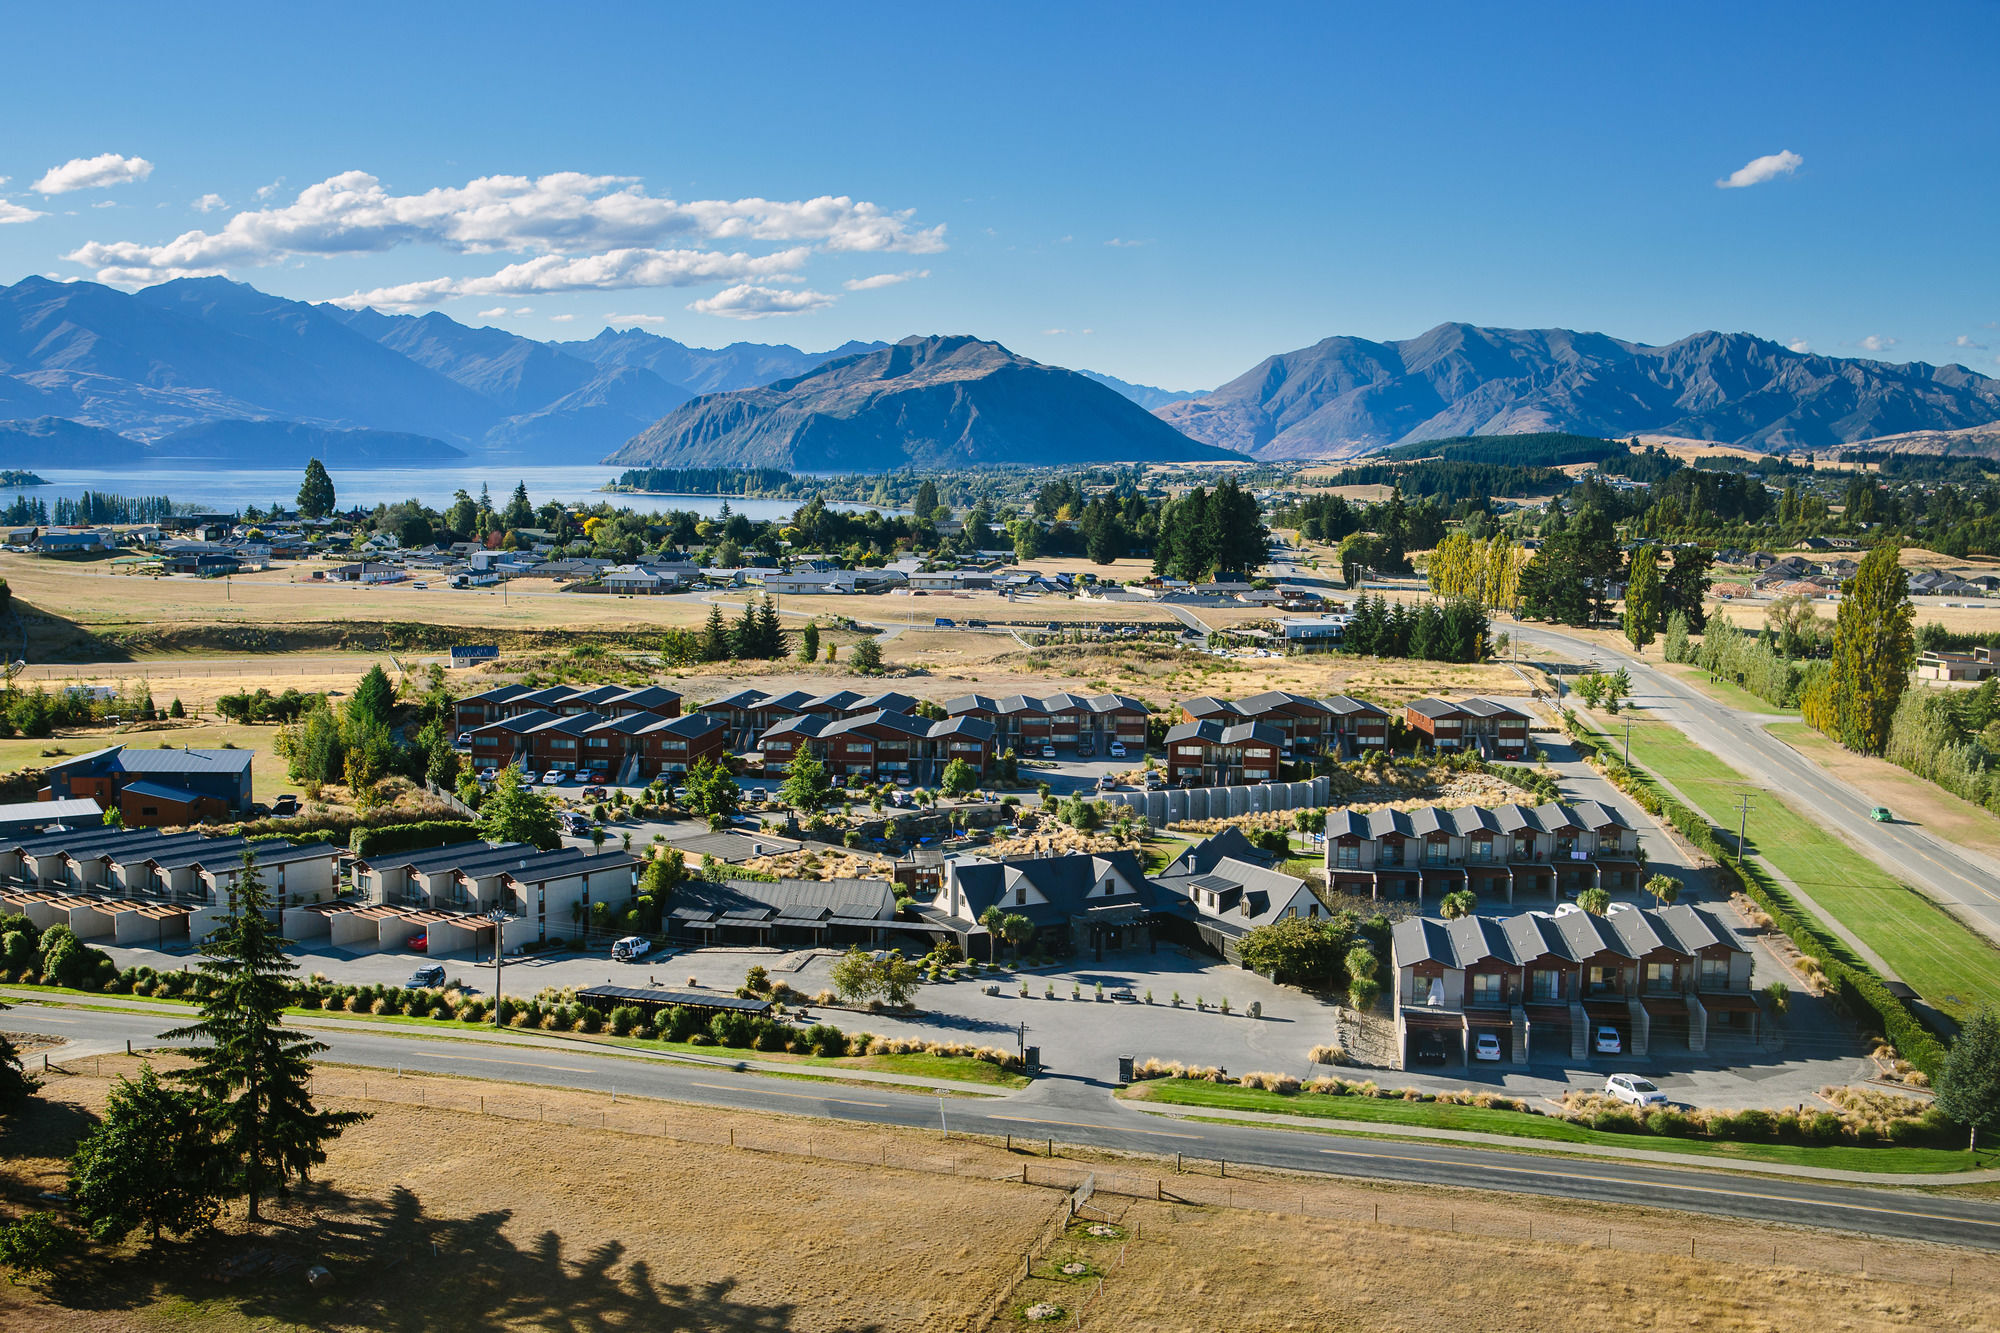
x=1628 y=744
x=499 y=919
x=1742 y=825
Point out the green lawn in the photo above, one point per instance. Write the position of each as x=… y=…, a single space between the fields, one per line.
x=1949 y=964
x=1391 y=1114
x=1727 y=692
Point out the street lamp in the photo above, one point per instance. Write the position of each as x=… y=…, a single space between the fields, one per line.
x=499 y=918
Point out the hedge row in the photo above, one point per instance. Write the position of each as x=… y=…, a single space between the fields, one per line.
x=387 y=838
x=1855 y=984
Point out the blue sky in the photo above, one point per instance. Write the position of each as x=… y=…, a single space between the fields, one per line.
x=1165 y=193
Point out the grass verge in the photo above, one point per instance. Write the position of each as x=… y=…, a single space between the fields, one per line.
x=1948 y=963
x=1547 y=1130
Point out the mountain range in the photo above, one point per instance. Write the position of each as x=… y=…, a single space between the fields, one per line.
x=209 y=370
x=925 y=402
x=153 y=365
x=1347 y=396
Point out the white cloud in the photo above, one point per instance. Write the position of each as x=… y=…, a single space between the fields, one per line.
x=524 y=310
x=266 y=191
x=1054 y=333
x=1875 y=342
x=884 y=280
x=561 y=319
x=208 y=203
x=616 y=270
x=16 y=213
x=635 y=319
x=495 y=313
x=105 y=203
x=93 y=173
x=1799 y=345
x=1123 y=244
x=1964 y=341
x=561 y=213
x=746 y=301
x=1760 y=169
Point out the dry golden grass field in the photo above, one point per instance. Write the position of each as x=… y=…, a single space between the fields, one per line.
x=478 y=1205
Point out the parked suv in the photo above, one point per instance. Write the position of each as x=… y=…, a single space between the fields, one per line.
x=1608 y=1040
x=630 y=949
x=427 y=977
x=1633 y=1090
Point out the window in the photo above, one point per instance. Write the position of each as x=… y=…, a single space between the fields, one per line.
x=1660 y=978
x=1482 y=849
x=1392 y=852
x=1548 y=984
x=1714 y=974
x=1601 y=980
x=1188 y=751
x=1486 y=988
x=1435 y=852
x=1347 y=856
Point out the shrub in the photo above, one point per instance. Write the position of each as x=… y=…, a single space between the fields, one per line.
x=1279 y=1083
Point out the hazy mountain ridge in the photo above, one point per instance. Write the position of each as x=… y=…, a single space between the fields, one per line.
x=924 y=402
x=1348 y=396
x=1145 y=395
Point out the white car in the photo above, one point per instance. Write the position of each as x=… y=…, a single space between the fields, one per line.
x=552 y=778
x=1117 y=750
x=1486 y=1046
x=630 y=949
x=489 y=775
x=1633 y=1090
x=1048 y=752
x=1608 y=1040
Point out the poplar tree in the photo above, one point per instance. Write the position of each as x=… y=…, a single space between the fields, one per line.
x=809 y=639
x=1642 y=596
x=1874 y=644
x=253 y=1078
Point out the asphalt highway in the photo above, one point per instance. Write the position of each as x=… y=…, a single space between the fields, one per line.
x=1951 y=875
x=1083 y=1113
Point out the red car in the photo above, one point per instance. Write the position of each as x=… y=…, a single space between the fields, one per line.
x=420 y=943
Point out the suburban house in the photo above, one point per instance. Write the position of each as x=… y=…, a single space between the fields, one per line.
x=1975 y=665
x=1067 y=721
x=748 y=714
x=1542 y=982
x=1554 y=849
x=151 y=788
x=1222 y=888
x=1212 y=753
x=879 y=744
x=1083 y=901
x=791 y=913
x=1335 y=726
x=1493 y=729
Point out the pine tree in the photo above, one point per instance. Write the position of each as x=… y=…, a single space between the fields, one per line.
x=253 y=1078
x=316 y=497
x=1874 y=645
x=373 y=699
x=715 y=636
x=927 y=499
x=743 y=639
x=1968 y=1086
x=809 y=639
x=770 y=634
x=1642 y=597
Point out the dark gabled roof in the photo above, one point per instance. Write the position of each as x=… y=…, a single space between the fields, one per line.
x=1342 y=705
x=472 y=856
x=902 y=723
x=1214 y=732
x=154 y=791
x=888 y=701
x=126 y=759
x=791 y=701
x=565 y=861
x=519 y=722
x=804 y=724
x=624 y=724
x=1114 y=703
x=742 y=700
x=572 y=724
x=1230 y=844
x=1258 y=704
x=839 y=701
x=553 y=694
x=969 y=703
x=1064 y=881
x=1207 y=705
x=690 y=725
x=499 y=694
x=1569 y=936
x=976 y=727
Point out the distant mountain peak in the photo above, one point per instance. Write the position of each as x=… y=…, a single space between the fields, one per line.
x=929 y=400
x=1343 y=397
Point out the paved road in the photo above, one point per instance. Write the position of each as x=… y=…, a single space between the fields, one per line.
x=1952 y=875
x=1081 y=1112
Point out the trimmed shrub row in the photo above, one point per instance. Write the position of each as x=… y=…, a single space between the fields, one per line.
x=1911 y=1124
x=387 y=838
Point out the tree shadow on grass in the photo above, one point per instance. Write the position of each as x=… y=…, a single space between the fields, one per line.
x=396 y=1267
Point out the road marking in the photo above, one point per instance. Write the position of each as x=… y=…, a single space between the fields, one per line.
x=1693 y=1189
x=524 y=1064
x=800 y=1096
x=1079 y=1124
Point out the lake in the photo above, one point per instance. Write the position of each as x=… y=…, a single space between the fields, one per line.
x=230 y=490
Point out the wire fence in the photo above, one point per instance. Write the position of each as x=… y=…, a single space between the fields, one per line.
x=1089 y=1188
